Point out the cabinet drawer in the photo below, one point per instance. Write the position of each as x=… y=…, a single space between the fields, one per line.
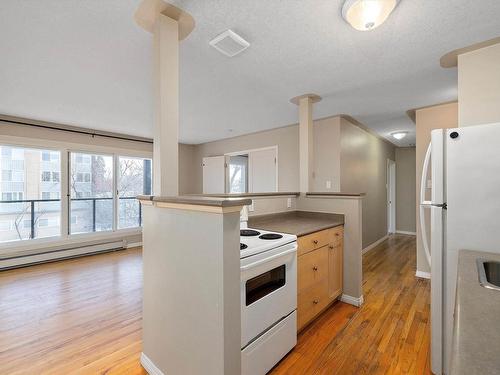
x=311 y=302
x=313 y=241
x=312 y=268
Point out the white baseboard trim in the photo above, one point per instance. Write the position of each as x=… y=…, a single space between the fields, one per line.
x=352 y=300
x=375 y=244
x=149 y=366
x=135 y=244
x=56 y=255
x=407 y=233
x=423 y=275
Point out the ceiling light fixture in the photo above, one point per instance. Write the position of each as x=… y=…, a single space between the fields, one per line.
x=366 y=15
x=399 y=135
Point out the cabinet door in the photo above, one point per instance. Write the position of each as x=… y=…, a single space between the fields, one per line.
x=312 y=268
x=335 y=266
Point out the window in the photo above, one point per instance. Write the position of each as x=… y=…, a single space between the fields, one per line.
x=91 y=189
x=45 y=194
x=46 y=176
x=43 y=223
x=238 y=174
x=21 y=185
x=55 y=176
x=6 y=175
x=134 y=178
x=46 y=156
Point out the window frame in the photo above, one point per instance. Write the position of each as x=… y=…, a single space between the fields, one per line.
x=64 y=149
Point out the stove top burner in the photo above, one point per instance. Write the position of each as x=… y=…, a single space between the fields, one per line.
x=248 y=232
x=271 y=236
x=243 y=246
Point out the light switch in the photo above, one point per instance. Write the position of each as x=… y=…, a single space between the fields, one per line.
x=328 y=184
x=251 y=208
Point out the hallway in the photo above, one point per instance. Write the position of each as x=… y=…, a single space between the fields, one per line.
x=388 y=335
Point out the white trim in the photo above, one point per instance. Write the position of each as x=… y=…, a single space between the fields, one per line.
x=406 y=232
x=135 y=244
x=149 y=366
x=423 y=275
x=352 y=300
x=375 y=244
x=61 y=254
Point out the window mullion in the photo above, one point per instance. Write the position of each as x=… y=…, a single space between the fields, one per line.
x=64 y=170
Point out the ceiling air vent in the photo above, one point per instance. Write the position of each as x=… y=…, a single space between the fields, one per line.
x=229 y=43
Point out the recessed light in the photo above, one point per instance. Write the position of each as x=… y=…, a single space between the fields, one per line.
x=399 y=135
x=366 y=15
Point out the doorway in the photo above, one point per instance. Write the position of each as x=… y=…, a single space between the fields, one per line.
x=391 y=196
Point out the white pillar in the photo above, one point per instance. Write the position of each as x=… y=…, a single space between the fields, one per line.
x=166 y=125
x=306 y=144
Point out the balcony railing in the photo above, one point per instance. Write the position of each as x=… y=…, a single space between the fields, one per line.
x=128 y=216
x=29 y=209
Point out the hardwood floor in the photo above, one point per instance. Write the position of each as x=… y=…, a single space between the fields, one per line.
x=388 y=335
x=83 y=316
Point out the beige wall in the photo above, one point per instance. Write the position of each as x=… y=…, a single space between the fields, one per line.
x=326 y=153
x=427 y=119
x=287 y=140
x=353 y=159
x=405 y=189
x=363 y=168
x=479 y=86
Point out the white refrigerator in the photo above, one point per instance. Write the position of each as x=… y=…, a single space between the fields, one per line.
x=464 y=167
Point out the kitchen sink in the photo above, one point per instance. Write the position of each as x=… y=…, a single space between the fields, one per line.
x=489 y=273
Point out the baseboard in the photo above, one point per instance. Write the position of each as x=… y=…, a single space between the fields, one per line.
x=135 y=244
x=375 y=244
x=407 y=233
x=423 y=275
x=56 y=255
x=352 y=300
x=149 y=366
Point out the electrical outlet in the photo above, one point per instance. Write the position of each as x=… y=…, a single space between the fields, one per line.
x=251 y=208
x=289 y=203
x=328 y=184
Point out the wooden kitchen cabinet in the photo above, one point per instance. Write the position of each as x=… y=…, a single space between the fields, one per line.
x=319 y=272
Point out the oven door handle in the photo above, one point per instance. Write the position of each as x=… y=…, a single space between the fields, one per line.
x=266 y=260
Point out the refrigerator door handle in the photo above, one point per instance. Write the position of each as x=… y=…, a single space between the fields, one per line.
x=425 y=204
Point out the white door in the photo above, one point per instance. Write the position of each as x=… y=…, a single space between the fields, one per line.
x=391 y=196
x=262 y=171
x=215 y=175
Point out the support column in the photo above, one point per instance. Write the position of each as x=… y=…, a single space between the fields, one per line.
x=166 y=126
x=306 y=151
x=169 y=25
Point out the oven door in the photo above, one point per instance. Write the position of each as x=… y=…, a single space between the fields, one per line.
x=268 y=290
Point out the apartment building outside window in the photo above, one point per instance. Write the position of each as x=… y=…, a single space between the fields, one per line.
x=101 y=188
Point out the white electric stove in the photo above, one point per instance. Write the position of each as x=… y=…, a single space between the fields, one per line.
x=268 y=298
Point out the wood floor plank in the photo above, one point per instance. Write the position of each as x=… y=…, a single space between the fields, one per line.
x=83 y=316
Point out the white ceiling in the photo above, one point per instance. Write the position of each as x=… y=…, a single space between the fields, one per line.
x=86 y=63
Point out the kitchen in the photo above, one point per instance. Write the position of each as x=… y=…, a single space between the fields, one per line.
x=346 y=182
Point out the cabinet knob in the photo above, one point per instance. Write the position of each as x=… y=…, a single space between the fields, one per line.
x=315 y=301
x=315 y=242
x=315 y=268
x=331 y=247
x=337 y=234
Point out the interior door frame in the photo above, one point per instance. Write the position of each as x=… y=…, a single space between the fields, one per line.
x=247 y=152
x=391 y=196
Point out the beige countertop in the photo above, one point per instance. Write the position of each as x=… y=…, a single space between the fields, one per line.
x=197 y=200
x=299 y=223
x=476 y=336
x=334 y=194
x=245 y=195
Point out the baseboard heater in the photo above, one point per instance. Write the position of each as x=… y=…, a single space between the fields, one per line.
x=60 y=254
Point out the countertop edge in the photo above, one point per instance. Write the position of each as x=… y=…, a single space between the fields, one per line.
x=197 y=200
